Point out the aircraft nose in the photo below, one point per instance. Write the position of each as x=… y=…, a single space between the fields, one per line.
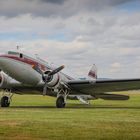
x=2 y=61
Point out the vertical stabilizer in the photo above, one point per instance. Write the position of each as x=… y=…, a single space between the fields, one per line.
x=93 y=72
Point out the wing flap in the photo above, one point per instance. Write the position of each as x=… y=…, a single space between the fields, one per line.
x=106 y=96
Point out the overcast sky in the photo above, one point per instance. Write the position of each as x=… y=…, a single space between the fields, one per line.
x=77 y=33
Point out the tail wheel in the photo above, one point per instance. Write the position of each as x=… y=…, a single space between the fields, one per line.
x=5 y=101
x=60 y=102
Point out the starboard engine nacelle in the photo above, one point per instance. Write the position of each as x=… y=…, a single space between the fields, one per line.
x=52 y=78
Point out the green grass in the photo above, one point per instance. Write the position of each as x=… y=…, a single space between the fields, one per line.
x=36 y=118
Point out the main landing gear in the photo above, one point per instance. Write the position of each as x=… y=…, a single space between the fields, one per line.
x=5 y=101
x=60 y=102
x=61 y=98
x=6 y=98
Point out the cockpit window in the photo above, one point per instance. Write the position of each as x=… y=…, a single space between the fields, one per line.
x=13 y=53
x=16 y=54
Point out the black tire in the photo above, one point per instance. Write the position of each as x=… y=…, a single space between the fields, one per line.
x=5 y=101
x=60 y=103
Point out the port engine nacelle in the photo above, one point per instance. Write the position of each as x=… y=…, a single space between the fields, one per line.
x=4 y=80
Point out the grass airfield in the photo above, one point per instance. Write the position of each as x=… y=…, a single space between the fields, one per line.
x=32 y=117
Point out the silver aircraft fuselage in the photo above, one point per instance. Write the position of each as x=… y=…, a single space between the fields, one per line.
x=20 y=67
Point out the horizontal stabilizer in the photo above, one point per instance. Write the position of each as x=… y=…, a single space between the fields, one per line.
x=106 y=96
x=83 y=100
x=86 y=97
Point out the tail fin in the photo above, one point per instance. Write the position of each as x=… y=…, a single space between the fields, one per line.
x=93 y=72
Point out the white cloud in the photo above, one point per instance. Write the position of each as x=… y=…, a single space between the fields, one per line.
x=63 y=8
x=115 y=67
x=108 y=38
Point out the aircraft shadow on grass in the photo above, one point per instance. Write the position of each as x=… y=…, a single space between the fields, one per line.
x=74 y=106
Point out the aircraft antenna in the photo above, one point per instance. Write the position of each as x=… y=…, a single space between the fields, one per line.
x=36 y=55
x=18 y=47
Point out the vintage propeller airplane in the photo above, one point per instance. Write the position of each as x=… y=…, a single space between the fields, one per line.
x=21 y=73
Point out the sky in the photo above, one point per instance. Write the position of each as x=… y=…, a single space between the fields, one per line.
x=76 y=33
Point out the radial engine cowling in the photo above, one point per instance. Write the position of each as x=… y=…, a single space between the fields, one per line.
x=53 y=81
x=4 y=80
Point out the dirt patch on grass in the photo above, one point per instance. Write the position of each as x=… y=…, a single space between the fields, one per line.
x=19 y=137
x=10 y=123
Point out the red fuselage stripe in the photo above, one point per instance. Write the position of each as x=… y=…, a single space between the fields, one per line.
x=26 y=60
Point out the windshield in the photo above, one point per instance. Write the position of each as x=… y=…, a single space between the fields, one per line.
x=13 y=53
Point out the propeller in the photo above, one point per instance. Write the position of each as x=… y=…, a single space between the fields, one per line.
x=47 y=75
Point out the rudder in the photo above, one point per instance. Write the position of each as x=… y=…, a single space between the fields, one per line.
x=93 y=72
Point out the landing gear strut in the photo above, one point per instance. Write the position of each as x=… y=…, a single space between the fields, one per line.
x=6 y=98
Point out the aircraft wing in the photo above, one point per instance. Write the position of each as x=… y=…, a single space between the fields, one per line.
x=95 y=87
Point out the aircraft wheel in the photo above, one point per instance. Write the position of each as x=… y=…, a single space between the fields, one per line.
x=5 y=101
x=60 y=103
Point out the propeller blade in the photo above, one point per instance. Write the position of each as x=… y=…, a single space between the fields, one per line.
x=45 y=89
x=56 y=70
x=35 y=67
